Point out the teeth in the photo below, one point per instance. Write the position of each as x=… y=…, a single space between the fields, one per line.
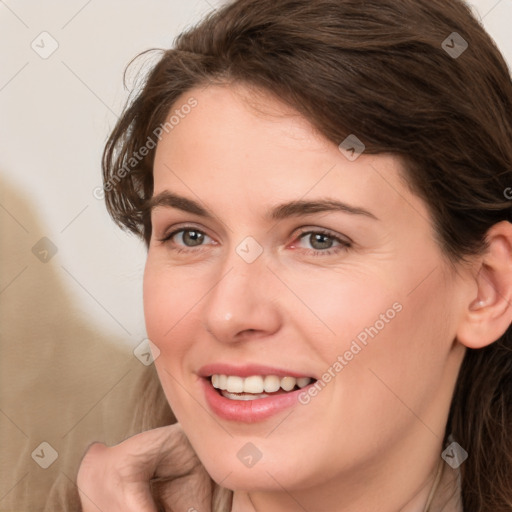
x=288 y=383
x=253 y=384
x=235 y=384
x=272 y=383
x=257 y=384
x=222 y=382
x=302 y=382
x=242 y=396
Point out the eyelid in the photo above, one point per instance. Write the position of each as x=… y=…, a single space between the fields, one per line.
x=318 y=229
x=170 y=232
x=342 y=239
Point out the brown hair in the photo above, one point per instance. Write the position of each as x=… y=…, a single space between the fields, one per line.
x=386 y=71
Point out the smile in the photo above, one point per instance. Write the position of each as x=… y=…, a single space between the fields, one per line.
x=253 y=398
x=256 y=387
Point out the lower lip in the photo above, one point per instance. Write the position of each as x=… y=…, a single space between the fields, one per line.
x=249 y=411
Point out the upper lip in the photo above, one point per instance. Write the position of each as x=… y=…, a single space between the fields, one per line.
x=247 y=370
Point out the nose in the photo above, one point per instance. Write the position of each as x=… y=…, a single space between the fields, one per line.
x=242 y=304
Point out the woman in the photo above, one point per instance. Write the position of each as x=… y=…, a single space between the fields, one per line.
x=322 y=188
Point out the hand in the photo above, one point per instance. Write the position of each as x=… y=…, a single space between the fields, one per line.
x=156 y=467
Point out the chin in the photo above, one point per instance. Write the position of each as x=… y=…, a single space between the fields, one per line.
x=237 y=479
x=233 y=468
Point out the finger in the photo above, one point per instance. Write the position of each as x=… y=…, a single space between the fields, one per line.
x=163 y=451
x=97 y=500
x=117 y=478
x=101 y=488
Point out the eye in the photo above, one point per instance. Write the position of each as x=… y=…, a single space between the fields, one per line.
x=184 y=238
x=190 y=239
x=322 y=242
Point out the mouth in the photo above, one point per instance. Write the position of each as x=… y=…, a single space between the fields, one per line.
x=253 y=392
x=255 y=398
x=256 y=387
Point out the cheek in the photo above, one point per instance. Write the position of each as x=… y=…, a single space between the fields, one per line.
x=397 y=375
x=168 y=309
x=156 y=304
x=379 y=341
x=169 y=303
x=336 y=309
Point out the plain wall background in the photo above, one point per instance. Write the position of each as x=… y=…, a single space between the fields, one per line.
x=69 y=325
x=55 y=116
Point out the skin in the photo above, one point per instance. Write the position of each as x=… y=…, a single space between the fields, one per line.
x=116 y=478
x=372 y=438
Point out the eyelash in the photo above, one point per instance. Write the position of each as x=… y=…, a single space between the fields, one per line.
x=344 y=244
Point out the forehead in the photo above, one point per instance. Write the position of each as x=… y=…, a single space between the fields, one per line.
x=236 y=140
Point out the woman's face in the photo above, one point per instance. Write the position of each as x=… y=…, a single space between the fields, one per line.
x=291 y=258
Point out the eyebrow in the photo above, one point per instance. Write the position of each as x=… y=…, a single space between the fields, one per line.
x=291 y=209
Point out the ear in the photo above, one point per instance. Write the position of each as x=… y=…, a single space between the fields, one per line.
x=488 y=312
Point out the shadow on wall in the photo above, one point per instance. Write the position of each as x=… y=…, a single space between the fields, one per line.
x=63 y=384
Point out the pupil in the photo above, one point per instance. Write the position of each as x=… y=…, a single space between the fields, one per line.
x=324 y=241
x=192 y=236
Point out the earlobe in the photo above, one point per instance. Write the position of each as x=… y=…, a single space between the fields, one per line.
x=489 y=311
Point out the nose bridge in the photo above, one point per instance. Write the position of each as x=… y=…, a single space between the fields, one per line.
x=240 y=300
